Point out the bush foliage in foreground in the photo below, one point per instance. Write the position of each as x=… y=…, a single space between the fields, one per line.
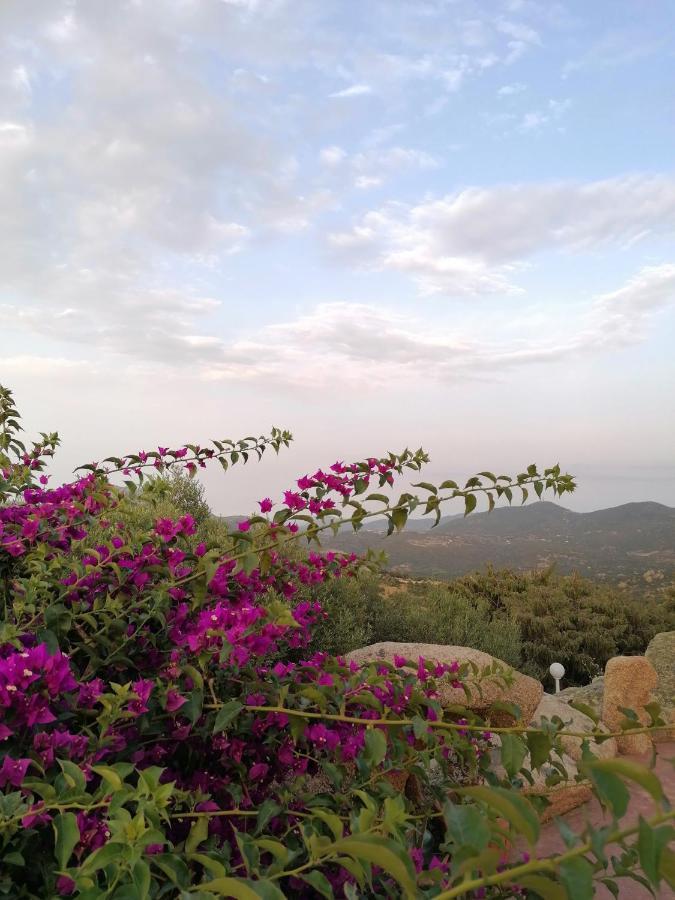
x=158 y=742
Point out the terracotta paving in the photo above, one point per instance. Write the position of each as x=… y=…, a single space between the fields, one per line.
x=640 y=804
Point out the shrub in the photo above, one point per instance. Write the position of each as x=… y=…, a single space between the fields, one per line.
x=153 y=747
x=349 y=607
x=566 y=619
x=434 y=613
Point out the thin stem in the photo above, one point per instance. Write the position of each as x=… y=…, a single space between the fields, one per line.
x=448 y=726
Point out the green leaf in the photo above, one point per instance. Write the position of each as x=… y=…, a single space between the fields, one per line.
x=651 y=842
x=211 y=865
x=334 y=822
x=427 y=486
x=100 y=858
x=268 y=809
x=226 y=714
x=542 y=887
x=319 y=882
x=399 y=517
x=667 y=866
x=376 y=746
x=386 y=854
x=513 y=753
x=586 y=710
x=466 y=826
x=611 y=790
x=199 y=831
x=73 y=774
x=577 y=876
x=518 y=811
x=141 y=878
x=469 y=503
x=631 y=770
x=539 y=744
x=654 y=710
x=110 y=775
x=243 y=889
x=67 y=836
x=449 y=484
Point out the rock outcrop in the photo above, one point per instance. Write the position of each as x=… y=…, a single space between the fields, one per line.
x=629 y=683
x=590 y=694
x=485 y=691
x=661 y=654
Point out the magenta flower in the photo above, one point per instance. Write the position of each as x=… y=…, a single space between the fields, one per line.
x=321 y=736
x=166 y=529
x=265 y=505
x=154 y=849
x=142 y=688
x=244 y=526
x=174 y=700
x=187 y=525
x=65 y=885
x=13 y=771
x=258 y=771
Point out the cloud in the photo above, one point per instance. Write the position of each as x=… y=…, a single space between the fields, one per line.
x=552 y=114
x=354 y=90
x=130 y=171
x=509 y=90
x=332 y=156
x=368 y=345
x=473 y=241
x=616 y=48
x=374 y=346
x=622 y=316
x=371 y=166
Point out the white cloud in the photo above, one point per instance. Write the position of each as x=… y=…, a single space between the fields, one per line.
x=332 y=156
x=375 y=346
x=472 y=241
x=519 y=31
x=368 y=345
x=354 y=90
x=552 y=114
x=363 y=182
x=616 y=48
x=371 y=166
x=126 y=168
x=509 y=90
x=623 y=315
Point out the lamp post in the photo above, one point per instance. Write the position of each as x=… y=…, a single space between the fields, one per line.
x=557 y=671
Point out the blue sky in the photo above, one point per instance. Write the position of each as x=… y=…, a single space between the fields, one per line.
x=438 y=222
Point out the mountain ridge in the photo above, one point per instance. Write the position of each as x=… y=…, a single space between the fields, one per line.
x=618 y=542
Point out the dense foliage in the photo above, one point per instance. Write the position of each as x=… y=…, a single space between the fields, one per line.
x=161 y=737
x=568 y=619
x=527 y=619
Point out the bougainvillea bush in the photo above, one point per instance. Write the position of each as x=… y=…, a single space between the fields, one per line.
x=158 y=741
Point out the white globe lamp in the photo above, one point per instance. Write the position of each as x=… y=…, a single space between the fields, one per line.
x=557 y=671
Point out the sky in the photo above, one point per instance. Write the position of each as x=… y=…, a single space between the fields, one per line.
x=379 y=224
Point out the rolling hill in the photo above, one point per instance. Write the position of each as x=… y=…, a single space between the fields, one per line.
x=621 y=542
